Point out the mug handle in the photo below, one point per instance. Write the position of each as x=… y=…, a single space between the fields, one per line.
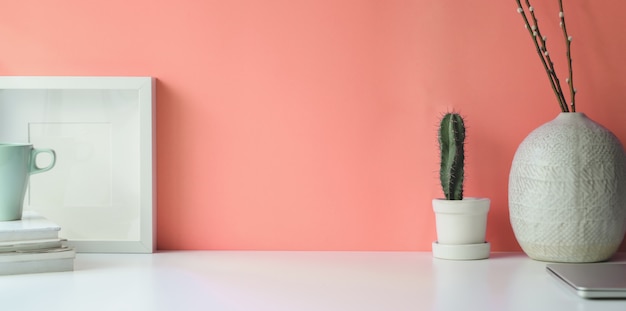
x=34 y=169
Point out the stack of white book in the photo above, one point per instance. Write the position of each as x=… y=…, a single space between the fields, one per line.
x=32 y=245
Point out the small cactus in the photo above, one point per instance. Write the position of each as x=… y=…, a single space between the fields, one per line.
x=451 y=143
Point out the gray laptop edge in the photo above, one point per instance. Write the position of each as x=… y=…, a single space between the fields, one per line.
x=592 y=280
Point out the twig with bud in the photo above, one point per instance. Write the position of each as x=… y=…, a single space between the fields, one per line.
x=542 y=50
x=568 y=44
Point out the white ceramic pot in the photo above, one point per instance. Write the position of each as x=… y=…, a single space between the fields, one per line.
x=461 y=227
x=567 y=191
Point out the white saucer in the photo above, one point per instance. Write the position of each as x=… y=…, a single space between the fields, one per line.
x=462 y=251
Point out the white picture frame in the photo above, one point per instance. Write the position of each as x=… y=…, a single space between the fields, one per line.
x=102 y=188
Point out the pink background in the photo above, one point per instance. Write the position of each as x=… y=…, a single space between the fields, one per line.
x=311 y=125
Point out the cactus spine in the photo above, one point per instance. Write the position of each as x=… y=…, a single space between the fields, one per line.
x=451 y=143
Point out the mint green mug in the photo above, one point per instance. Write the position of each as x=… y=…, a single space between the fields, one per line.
x=17 y=163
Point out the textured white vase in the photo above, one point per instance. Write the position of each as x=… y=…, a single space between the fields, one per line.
x=567 y=191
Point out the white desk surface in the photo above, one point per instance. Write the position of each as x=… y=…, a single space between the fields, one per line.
x=294 y=281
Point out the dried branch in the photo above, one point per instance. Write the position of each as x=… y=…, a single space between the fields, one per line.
x=542 y=50
x=568 y=44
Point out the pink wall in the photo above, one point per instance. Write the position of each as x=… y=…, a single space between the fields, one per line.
x=311 y=125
